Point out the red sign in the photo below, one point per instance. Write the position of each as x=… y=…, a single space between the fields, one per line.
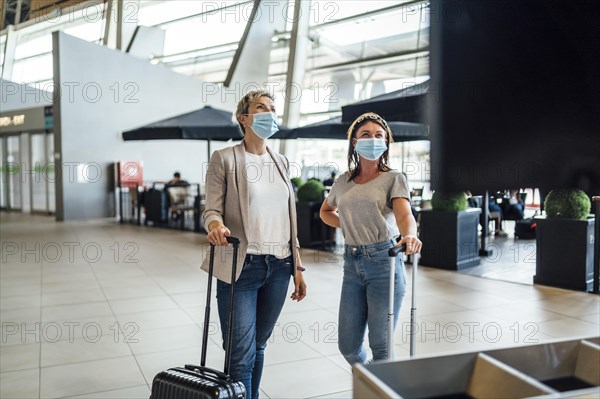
x=130 y=174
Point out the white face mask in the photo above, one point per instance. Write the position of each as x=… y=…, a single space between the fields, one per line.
x=371 y=148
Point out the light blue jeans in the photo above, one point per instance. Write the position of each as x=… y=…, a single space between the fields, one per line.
x=365 y=300
x=260 y=292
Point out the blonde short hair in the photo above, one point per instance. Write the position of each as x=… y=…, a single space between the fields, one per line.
x=244 y=104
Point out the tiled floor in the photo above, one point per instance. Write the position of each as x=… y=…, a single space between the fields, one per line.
x=510 y=259
x=96 y=309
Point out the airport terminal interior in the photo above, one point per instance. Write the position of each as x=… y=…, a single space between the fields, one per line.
x=100 y=279
x=103 y=327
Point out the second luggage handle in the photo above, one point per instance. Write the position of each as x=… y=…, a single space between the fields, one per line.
x=236 y=243
x=393 y=252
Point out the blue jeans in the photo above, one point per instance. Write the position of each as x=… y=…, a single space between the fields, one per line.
x=365 y=300
x=260 y=293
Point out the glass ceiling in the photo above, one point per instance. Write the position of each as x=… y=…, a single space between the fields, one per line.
x=193 y=25
x=374 y=46
x=369 y=28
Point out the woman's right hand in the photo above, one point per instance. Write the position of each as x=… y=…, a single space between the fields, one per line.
x=218 y=233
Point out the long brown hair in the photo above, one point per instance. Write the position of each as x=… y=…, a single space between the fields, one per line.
x=353 y=158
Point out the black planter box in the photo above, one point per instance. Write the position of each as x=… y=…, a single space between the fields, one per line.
x=565 y=253
x=312 y=232
x=449 y=239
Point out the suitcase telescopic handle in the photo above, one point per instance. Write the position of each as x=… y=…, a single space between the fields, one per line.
x=395 y=250
x=236 y=243
x=413 y=307
x=392 y=252
x=233 y=240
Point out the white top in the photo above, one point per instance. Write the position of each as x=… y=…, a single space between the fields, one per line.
x=268 y=219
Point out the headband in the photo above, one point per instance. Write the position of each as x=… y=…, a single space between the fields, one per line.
x=368 y=115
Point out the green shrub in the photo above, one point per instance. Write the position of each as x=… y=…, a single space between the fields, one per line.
x=568 y=204
x=449 y=202
x=296 y=182
x=311 y=191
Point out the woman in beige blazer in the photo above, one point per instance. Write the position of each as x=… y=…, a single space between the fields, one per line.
x=249 y=195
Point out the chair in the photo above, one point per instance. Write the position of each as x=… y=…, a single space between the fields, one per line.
x=181 y=200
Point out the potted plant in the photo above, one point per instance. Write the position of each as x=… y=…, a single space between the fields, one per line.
x=296 y=182
x=449 y=232
x=311 y=191
x=312 y=232
x=565 y=241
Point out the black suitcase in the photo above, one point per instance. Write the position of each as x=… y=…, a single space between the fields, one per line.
x=200 y=382
x=525 y=229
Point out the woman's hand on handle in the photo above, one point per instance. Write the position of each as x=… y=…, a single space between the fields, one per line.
x=413 y=244
x=218 y=233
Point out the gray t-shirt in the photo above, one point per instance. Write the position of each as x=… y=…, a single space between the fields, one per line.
x=365 y=210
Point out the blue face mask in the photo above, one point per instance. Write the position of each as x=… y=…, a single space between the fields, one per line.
x=264 y=124
x=371 y=148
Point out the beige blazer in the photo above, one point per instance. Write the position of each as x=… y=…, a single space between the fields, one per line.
x=227 y=200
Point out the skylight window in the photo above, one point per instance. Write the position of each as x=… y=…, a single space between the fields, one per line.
x=368 y=28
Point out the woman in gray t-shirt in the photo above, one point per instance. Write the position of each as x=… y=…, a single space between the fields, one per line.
x=371 y=204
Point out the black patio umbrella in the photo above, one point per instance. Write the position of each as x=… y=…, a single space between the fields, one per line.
x=334 y=128
x=406 y=105
x=207 y=123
